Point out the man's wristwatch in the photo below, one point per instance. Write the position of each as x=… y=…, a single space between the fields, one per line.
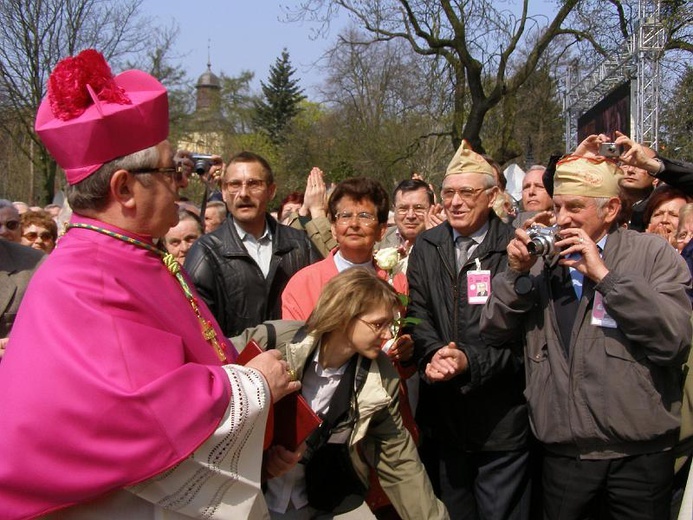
x=523 y=285
x=659 y=170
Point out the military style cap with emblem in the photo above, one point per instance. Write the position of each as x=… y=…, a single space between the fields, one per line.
x=467 y=160
x=586 y=177
x=90 y=117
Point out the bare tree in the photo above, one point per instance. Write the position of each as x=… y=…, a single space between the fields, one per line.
x=386 y=106
x=476 y=38
x=480 y=39
x=34 y=36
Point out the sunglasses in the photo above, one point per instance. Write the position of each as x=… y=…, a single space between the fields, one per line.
x=32 y=236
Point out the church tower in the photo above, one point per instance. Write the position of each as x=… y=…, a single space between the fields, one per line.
x=204 y=129
x=208 y=91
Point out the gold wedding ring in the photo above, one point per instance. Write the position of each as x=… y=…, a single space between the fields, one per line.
x=292 y=374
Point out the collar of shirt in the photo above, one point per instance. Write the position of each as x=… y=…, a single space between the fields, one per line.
x=245 y=236
x=400 y=238
x=259 y=249
x=477 y=238
x=319 y=384
x=343 y=264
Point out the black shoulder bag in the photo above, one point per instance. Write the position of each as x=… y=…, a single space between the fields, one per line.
x=332 y=484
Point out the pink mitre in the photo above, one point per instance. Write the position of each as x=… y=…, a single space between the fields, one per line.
x=89 y=117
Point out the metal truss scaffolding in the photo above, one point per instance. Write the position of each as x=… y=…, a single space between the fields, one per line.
x=640 y=65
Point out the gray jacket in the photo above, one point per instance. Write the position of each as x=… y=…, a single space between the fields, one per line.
x=618 y=390
x=17 y=266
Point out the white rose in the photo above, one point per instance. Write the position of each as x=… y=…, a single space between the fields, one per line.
x=387 y=258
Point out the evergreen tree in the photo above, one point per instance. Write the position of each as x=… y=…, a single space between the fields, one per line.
x=678 y=120
x=280 y=101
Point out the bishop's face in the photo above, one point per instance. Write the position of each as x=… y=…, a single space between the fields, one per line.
x=156 y=196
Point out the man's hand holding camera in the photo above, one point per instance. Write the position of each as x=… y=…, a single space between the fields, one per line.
x=519 y=258
x=580 y=252
x=209 y=167
x=635 y=154
x=575 y=248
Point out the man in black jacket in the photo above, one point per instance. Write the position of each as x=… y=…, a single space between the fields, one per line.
x=472 y=412
x=678 y=174
x=241 y=269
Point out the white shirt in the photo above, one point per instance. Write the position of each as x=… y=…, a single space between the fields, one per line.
x=259 y=249
x=344 y=264
x=318 y=387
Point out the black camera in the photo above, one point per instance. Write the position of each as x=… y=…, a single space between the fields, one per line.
x=542 y=240
x=201 y=163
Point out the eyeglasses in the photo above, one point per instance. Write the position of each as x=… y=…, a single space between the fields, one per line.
x=252 y=185
x=466 y=194
x=12 y=225
x=378 y=327
x=364 y=218
x=43 y=235
x=173 y=172
x=684 y=236
x=418 y=209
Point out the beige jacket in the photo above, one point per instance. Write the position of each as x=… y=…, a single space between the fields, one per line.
x=319 y=231
x=379 y=438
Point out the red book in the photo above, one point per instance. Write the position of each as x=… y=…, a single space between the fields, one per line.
x=294 y=420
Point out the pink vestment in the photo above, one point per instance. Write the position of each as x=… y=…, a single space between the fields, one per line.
x=107 y=379
x=303 y=290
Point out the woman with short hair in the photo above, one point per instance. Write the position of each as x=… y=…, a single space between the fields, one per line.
x=39 y=230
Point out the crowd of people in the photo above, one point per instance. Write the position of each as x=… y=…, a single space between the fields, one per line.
x=469 y=356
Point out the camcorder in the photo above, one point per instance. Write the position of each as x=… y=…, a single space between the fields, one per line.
x=610 y=150
x=201 y=163
x=542 y=240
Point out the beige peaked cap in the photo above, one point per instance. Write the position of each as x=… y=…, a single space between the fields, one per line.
x=586 y=177
x=467 y=160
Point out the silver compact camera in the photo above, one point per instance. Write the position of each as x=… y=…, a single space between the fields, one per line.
x=542 y=240
x=201 y=163
x=610 y=150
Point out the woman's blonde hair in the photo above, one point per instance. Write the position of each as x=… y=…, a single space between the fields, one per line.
x=348 y=295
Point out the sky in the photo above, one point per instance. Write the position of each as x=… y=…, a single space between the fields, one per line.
x=242 y=35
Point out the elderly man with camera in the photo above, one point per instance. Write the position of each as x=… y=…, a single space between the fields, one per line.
x=607 y=325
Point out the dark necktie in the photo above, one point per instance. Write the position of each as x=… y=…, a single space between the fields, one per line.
x=462 y=245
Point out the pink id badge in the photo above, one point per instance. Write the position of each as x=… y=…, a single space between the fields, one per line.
x=478 y=286
x=600 y=317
